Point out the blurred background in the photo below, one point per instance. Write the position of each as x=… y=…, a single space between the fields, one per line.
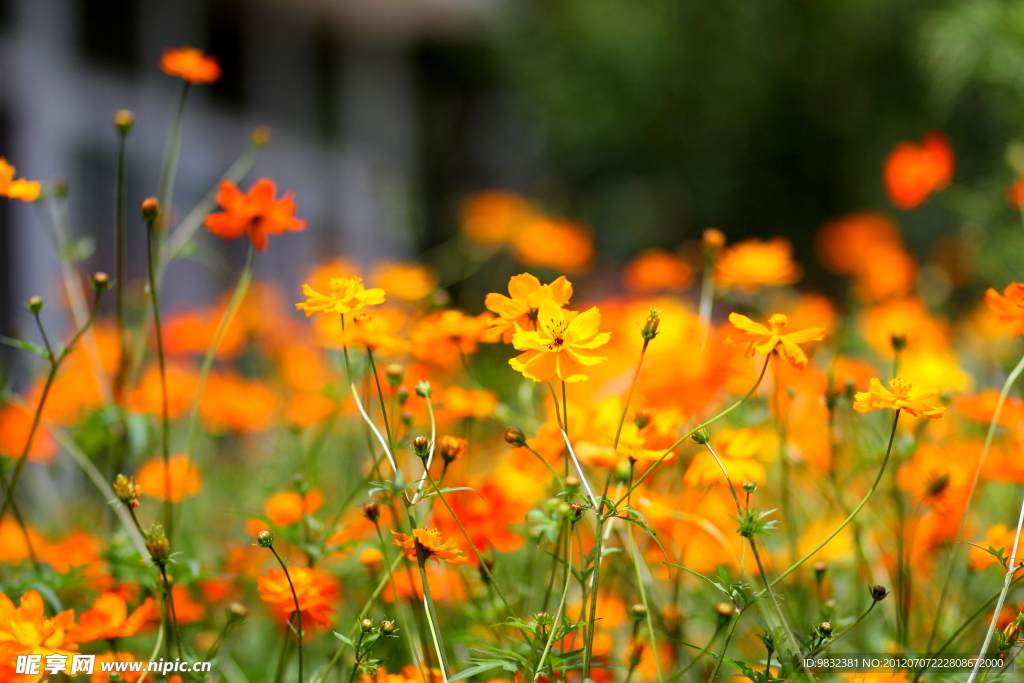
x=646 y=121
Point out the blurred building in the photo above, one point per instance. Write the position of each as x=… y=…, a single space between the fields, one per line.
x=340 y=83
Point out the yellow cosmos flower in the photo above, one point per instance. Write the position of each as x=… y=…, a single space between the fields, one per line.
x=428 y=543
x=754 y=264
x=25 y=190
x=904 y=396
x=764 y=340
x=736 y=450
x=522 y=305
x=346 y=296
x=562 y=344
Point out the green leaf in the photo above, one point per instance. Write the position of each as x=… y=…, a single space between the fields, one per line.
x=698 y=574
x=474 y=670
x=24 y=345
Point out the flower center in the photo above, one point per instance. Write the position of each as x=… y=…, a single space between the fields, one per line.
x=778 y=321
x=557 y=333
x=900 y=387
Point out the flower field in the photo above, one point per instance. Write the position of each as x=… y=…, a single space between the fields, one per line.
x=694 y=467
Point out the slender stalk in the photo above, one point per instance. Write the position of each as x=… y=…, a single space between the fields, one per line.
x=629 y=394
x=846 y=630
x=295 y=599
x=119 y=270
x=394 y=590
x=643 y=599
x=725 y=646
x=558 y=613
x=775 y=600
x=171 y=153
x=435 y=626
x=165 y=421
x=173 y=615
x=16 y=511
x=955 y=550
x=380 y=394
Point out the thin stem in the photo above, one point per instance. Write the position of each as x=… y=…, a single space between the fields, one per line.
x=171 y=154
x=119 y=270
x=725 y=646
x=380 y=394
x=435 y=626
x=295 y=598
x=643 y=599
x=955 y=550
x=775 y=600
x=558 y=613
x=173 y=615
x=846 y=630
x=165 y=423
x=629 y=394
x=394 y=590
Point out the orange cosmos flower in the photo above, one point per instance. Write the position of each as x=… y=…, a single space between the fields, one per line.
x=521 y=306
x=494 y=218
x=13 y=548
x=657 y=270
x=562 y=345
x=15 y=425
x=109 y=619
x=764 y=340
x=26 y=630
x=99 y=676
x=843 y=245
x=314 y=590
x=147 y=397
x=1008 y=307
x=256 y=214
x=999 y=537
x=736 y=450
x=347 y=295
x=904 y=396
x=459 y=403
x=442 y=337
x=554 y=243
x=1015 y=193
x=185 y=481
x=427 y=542
x=191 y=64
x=234 y=403
x=408 y=281
x=914 y=171
x=285 y=508
x=78 y=550
x=25 y=190
x=755 y=263
x=981 y=408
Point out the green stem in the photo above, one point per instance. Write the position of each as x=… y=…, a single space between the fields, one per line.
x=295 y=599
x=435 y=626
x=846 y=630
x=629 y=394
x=558 y=613
x=643 y=599
x=172 y=614
x=119 y=270
x=165 y=423
x=171 y=154
x=380 y=394
x=725 y=646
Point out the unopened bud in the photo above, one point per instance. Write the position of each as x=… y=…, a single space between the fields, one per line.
x=515 y=437
x=572 y=483
x=261 y=136
x=819 y=570
x=898 y=341
x=713 y=238
x=157 y=545
x=724 y=611
x=265 y=539
x=236 y=612
x=371 y=510
x=123 y=121
x=702 y=436
x=100 y=282
x=421 y=446
x=34 y=305
x=395 y=373
x=543 y=619
x=825 y=629
x=127 y=490
x=878 y=593
x=451 y=447
x=423 y=389
x=575 y=512
x=150 y=210
x=114 y=677
x=387 y=627
x=372 y=560
x=749 y=487
x=642 y=417
x=402 y=395
x=650 y=329
x=637 y=612
x=366 y=625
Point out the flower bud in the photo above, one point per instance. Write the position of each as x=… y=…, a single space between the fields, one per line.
x=150 y=210
x=387 y=627
x=451 y=447
x=702 y=436
x=261 y=136
x=402 y=395
x=564 y=509
x=123 y=121
x=749 y=487
x=878 y=593
x=423 y=389
x=371 y=510
x=157 y=545
x=825 y=629
x=642 y=417
x=724 y=612
x=572 y=483
x=543 y=620
x=486 y=567
x=713 y=238
x=650 y=329
x=100 y=282
x=60 y=187
x=114 y=677
x=366 y=625
x=623 y=471
x=127 y=490
x=265 y=539
x=575 y=512
x=236 y=612
x=819 y=571
x=34 y=305
x=638 y=612
x=421 y=446
x=898 y=341
x=395 y=373
x=515 y=437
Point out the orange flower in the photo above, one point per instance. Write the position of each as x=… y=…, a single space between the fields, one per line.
x=78 y=550
x=427 y=542
x=285 y=508
x=904 y=396
x=99 y=676
x=185 y=481
x=998 y=537
x=494 y=218
x=234 y=403
x=109 y=619
x=459 y=403
x=1015 y=193
x=982 y=408
x=521 y=309
x=554 y=243
x=256 y=214
x=25 y=190
x=379 y=331
x=764 y=340
x=408 y=281
x=1008 y=307
x=314 y=590
x=147 y=397
x=656 y=270
x=443 y=337
x=347 y=295
x=736 y=450
x=940 y=476
x=562 y=345
x=753 y=264
x=191 y=64
x=845 y=244
x=15 y=425
x=914 y=171
x=487 y=517
x=26 y=630
x=13 y=548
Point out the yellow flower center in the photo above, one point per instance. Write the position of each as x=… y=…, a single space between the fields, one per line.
x=778 y=321
x=556 y=331
x=900 y=387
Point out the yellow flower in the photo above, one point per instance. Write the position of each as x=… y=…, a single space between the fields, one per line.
x=562 y=344
x=25 y=190
x=521 y=309
x=753 y=264
x=428 y=542
x=346 y=296
x=26 y=630
x=736 y=451
x=764 y=340
x=904 y=396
